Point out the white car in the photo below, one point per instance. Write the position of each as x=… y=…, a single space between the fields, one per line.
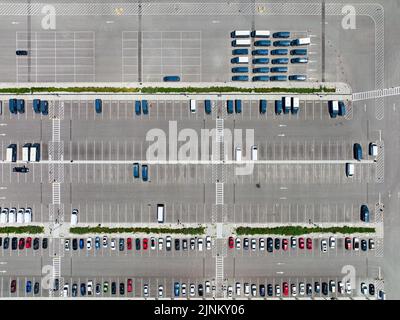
x=293 y=289
x=332 y=242
x=183 y=289
x=348 y=287
x=4 y=215
x=230 y=291
x=208 y=286
x=208 y=243
x=160 y=243
x=112 y=244
x=238 y=289
x=89 y=243
x=192 y=290
x=65 y=290
x=278 y=290
x=28 y=215
x=302 y=288
x=246 y=289
x=146 y=290
x=66 y=244
x=238 y=243
x=90 y=287
x=200 y=244
x=262 y=244
x=74 y=217
x=160 y=291
x=168 y=242
x=332 y=286
x=253 y=244
x=356 y=244
x=253 y=290
x=105 y=241
x=20 y=215
x=12 y=215
x=324 y=246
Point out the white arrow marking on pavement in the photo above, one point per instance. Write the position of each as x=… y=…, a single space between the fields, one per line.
x=3 y=262
x=2 y=198
x=109 y=21
x=3 y=188
x=282 y=125
x=2 y=134
x=15 y=22
x=3 y=124
x=280 y=272
x=284 y=188
x=281 y=135
x=3 y=271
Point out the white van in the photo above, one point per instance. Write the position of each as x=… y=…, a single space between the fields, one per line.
x=193 y=106
x=74 y=217
x=261 y=34
x=349 y=169
x=160 y=213
x=238 y=153
x=241 y=34
x=254 y=153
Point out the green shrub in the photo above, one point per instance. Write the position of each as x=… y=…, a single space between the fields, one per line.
x=298 y=230
x=24 y=229
x=107 y=230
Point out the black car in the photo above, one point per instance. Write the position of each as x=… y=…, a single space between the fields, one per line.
x=21 y=169
x=121 y=244
x=14 y=243
x=74 y=290
x=1 y=241
x=121 y=288
x=36 y=288
x=56 y=284
x=270 y=245
x=277 y=243
x=309 y=289
x=316 y=287
x=98 y=288
x=200 y=290
x=21 y=53
x=36 y=244
x=6 y=243
x=262 y=290
x=246 y=243
x=113 y=288
x=364 y=245
x=371 y=288
x=83 y=289
x=324 y=288
x=74 y=244
x=152 y=242
x=137 y=243
x=177 y=244
x=270 y=291
x=45 y=242
x=184 y=244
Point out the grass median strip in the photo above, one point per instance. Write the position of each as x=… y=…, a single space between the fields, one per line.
x=155 y=90
x=107 y=230
x=22 y=230
x=298 y=230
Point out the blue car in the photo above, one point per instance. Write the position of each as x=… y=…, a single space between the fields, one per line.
x=263 y=106
x=278 y=107
x=260 y=52
x=279 y=52
x=297 y=78
x=299 y=60
x=176 y=289
x=282 y=43
x=207 y=106
x=240 y=78
x=98 y=105
x=136 y=170
x=36 y=105
x=261 y=78
x=342 y=109
x=261 y=61
x=83 y=289
x=145 y=173
x=171 y=78
x=81 y=243
x=278 y=78
x=137 y=108
x=364 y=213
x=279 y=69
x=97 y=243
x=260 y=70
x=21 y=106
x=280 y=61
x=238 y=106
x=229 y=106
x=262 y=43
x=240 y=70
x=240 y=52
x=299 y=52
x=12 y=104
x=28 y=287
x=44 y=107
x=282 y=34
x=145 y=107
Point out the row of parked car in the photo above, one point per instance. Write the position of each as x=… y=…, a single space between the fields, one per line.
x=271 y=244
x=18 y=106
x=358 y=155
x=151 y=243
x=23 y=243
x=141 y=106
x=302 y=289
x=12 y=216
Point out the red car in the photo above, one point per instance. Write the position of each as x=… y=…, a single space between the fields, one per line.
x=347 y=243
x=231 y=243
x=129 y=243
x=129 y=285
x=285 y=289
x=28 y=242
x=21 y=244
x=145 y=243
x=309 y=243
x=13 y=286
x=301 y=243
x=285 y=243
